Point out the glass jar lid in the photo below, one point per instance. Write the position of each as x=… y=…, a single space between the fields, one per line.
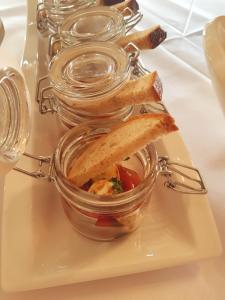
x=15 y=117
x=89 y=70
x=100 y=23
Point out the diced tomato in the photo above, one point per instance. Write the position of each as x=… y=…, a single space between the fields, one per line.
x=102 y=219
x=107 y=220
x=129 y=178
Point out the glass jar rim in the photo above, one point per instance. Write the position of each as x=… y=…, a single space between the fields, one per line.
x=94 y=200
x=101 y=23
x=89 y=71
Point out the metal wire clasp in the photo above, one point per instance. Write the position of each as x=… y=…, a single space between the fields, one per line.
x=44 y=23
x=188 y=182
x=134 y=52
x=46 y=161
x=41 y=16
x=54 y=44
x=45 y=97
x=131 y=18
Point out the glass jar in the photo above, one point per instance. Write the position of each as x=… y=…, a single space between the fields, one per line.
x=81 y=77
x=99 y=23
x=102 y=217
x=52 y=13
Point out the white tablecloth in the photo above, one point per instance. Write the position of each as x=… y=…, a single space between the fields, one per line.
x=191 y=100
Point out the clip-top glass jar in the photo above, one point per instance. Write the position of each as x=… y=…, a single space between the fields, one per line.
x=98 y=23
x=52 y=13
x=81 y=77
x=107 y=217
x=103 y=217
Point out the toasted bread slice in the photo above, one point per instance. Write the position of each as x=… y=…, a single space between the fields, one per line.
x=143 y=90
x=146 y=39
x=124 y=140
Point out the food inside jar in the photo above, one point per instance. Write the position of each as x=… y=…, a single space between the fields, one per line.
x=116 y=179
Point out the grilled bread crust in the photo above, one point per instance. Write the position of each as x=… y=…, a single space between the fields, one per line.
x=147 y=39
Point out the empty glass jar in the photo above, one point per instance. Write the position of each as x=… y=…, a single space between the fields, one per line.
x=98 y=23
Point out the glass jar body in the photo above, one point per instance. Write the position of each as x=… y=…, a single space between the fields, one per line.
x=97 y=217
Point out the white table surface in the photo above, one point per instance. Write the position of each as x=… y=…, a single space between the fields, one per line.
x=191 y=100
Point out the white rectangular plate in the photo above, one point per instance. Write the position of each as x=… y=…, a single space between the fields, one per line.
x=40 y=249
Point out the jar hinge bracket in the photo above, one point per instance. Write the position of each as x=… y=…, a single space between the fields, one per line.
x=169 y=168
x=134 y=52
x=41 y=16
x=54 y=45
x=45 y=98
x=44 y=22
x=131 y=18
